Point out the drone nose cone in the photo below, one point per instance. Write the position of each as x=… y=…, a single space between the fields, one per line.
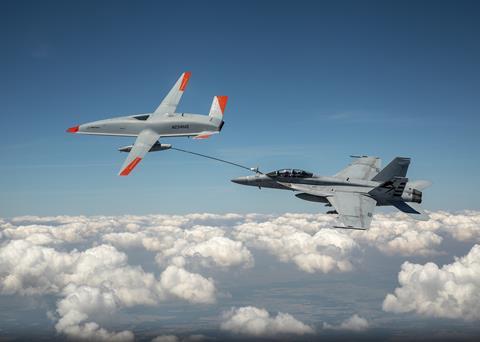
x=241 y=180
x=73 y=129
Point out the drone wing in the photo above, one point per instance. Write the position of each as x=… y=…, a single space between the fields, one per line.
x=170 y=102
x=145 y=140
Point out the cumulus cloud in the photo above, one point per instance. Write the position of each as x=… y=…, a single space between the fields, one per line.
x=171 y=236
x=61 y=229
x=306 y=239
x=97 y=280
x=205 y=244
x=354 y=323
x=451 y=291
x=253 y=321
x=396 y=234
x=34 y=261
x=75 y=308
x=189 y=286
x=393 y=233
x=462 y=226
x=325 y=251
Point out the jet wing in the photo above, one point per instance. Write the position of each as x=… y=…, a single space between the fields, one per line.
x=170 y=102
x=361 y=168
x=316 y=190
x=145 y=140
x=354 y=210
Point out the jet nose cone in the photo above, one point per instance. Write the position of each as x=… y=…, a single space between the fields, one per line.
x=73 y=129
x=241 y=180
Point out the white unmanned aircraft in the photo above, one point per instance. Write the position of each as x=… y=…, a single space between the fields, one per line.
x=163 y=122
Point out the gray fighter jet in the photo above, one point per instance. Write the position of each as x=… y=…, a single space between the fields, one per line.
x=163 y=122
x=354 y=191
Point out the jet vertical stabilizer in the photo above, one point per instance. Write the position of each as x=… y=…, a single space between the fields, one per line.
x=396 y=168
x=217 y=110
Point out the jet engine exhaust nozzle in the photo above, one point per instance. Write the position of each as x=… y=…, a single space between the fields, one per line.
x=413 y=195
x=417 y=196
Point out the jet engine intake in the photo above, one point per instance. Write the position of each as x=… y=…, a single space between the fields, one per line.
x=156 y=147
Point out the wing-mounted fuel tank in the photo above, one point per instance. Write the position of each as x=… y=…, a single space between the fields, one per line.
x=156 y=147
x=311 y=198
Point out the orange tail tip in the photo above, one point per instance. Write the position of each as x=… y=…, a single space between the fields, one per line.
x=130 y=167
x=186 y=77
x=222 y=102
x=219 y=104
x=73 y=129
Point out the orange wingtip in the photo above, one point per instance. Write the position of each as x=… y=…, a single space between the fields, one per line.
x=186 y=77
x=222 y=102
x=73 y=129
x=130 y=167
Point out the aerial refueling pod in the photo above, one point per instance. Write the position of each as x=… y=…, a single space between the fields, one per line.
x=156 y=147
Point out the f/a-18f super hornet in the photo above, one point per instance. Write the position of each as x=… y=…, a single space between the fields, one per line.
x=354 y=191
x=163 y=122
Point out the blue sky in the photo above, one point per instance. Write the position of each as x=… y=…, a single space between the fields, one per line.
x=309 y=83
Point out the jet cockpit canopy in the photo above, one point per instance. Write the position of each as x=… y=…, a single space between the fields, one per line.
x=289 y=173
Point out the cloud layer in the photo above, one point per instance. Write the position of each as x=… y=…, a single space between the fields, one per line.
x=84 y=263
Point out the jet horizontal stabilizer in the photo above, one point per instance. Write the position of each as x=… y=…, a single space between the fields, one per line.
x=414 y=210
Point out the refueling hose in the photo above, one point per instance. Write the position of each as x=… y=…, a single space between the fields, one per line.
x=253 y=169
